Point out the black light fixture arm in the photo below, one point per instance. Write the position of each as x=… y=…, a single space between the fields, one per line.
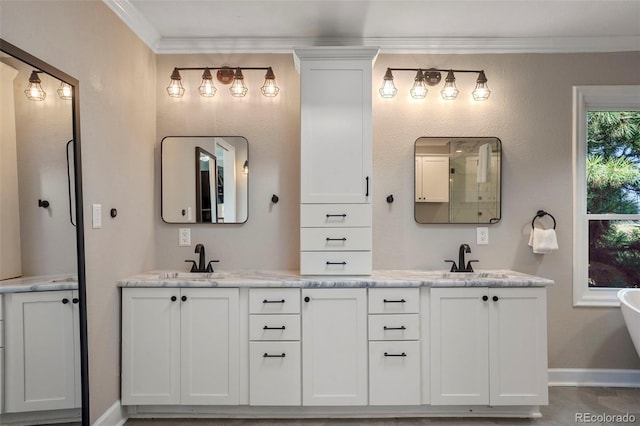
x=435 y=69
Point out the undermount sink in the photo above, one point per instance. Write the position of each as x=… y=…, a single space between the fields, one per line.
x=193 y=276
x=473 y=275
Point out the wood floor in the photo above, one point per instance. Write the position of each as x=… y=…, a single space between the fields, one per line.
x=565 y=403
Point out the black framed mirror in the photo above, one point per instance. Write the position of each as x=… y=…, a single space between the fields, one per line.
x=44 y=133
x=214 y=189
x=457 y=180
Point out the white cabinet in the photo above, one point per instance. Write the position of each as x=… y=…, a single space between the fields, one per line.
x=274 y=350
x=334 y=346
x=336 y=150
x=42 y=360
x=394 y=346
x=180 y=346
x=432 y=179
x=488 y=346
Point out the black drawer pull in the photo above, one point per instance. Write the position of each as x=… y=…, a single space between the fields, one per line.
x=366 y=194
x=173 y=298
x=65 y=301
x=75 y=300
x=266 y=355
x=495 y=298
x=266 y=327
x=183 y=298
x=336 y=239
x=402 y=354
x=273 y=301
x=336 y=263
x=394 y=301
x=307 y=299
x=343 y=215
x=485 y=298
x=402 y=327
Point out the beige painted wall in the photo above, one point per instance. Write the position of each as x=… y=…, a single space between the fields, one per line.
x=117 y=111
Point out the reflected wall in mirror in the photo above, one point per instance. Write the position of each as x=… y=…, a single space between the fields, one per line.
x=211 y=189
x=457 y=180
x=43 y=357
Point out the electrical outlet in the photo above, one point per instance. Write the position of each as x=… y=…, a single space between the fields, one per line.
x=184 y=237
x=482 y=235
x=97 y=216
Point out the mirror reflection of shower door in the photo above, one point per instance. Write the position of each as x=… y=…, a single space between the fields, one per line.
x=206 y=187
x=226 y=156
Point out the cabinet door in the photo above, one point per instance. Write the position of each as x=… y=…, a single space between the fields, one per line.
x=336 y=131
x=150 y=346
x=210 y=346
x=434 y=179
x=518 y=346
x=459 y=346
x=334 y=347
x=40 y=351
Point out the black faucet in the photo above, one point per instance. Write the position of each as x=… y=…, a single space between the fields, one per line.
x=464 y=248
x=200 y=267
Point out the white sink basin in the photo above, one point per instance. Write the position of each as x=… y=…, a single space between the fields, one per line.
x=193 y=276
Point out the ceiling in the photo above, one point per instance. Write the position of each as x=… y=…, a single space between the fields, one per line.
x=397 y=26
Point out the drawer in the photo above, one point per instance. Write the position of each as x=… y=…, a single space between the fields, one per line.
x=394 y=300
x=274 y=301
x=275 y=379
x=335 y=263
x=335 y=215
x=394 y=327
x=394 y=373
x=335 y=239
x=274 y=327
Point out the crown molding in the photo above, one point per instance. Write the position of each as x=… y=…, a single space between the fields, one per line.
x=135 y=21
x=411 y=45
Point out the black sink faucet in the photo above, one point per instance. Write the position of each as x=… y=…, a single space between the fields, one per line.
x=460 y=267
x=200 y=266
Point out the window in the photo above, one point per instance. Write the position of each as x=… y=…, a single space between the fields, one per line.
x=606 y=147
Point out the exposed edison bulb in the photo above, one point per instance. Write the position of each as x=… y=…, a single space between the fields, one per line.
x=388 y=89
x=419 y=89
x=206 y=88
x=481 y=92
x=34 y=90
x=65 y=91
x=238 y=88
x=175 y=89
x=269 y=88
x=449 y=91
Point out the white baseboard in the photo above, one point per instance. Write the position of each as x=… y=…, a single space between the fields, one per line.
x=116 y=415
x=594 y=377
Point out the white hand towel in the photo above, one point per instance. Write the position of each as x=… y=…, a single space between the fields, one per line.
x=543 y=240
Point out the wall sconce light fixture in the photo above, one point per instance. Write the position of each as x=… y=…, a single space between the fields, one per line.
x=225 y=75
x=35 y=92
x=432 y=77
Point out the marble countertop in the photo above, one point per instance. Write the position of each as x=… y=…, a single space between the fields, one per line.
x=39 y=283
x=379 y=278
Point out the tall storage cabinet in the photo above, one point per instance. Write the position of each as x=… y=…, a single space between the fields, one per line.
x=336 y=159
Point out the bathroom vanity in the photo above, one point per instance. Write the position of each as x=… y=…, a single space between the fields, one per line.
x=279 y=344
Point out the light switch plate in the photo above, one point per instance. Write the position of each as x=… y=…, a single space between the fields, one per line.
x=482 y=235
x=97 y=216
x=184 y=237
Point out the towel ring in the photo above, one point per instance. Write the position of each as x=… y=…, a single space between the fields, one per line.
x=542 y=213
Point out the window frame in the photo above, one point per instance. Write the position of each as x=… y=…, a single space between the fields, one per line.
x=585 y=99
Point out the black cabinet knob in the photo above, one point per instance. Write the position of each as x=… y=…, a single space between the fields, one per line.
x=75 y=300
x=495 y=298
x=65 y=301
x=173 y=298
x=485 y=298
x=183 y=298
x=307 y=299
